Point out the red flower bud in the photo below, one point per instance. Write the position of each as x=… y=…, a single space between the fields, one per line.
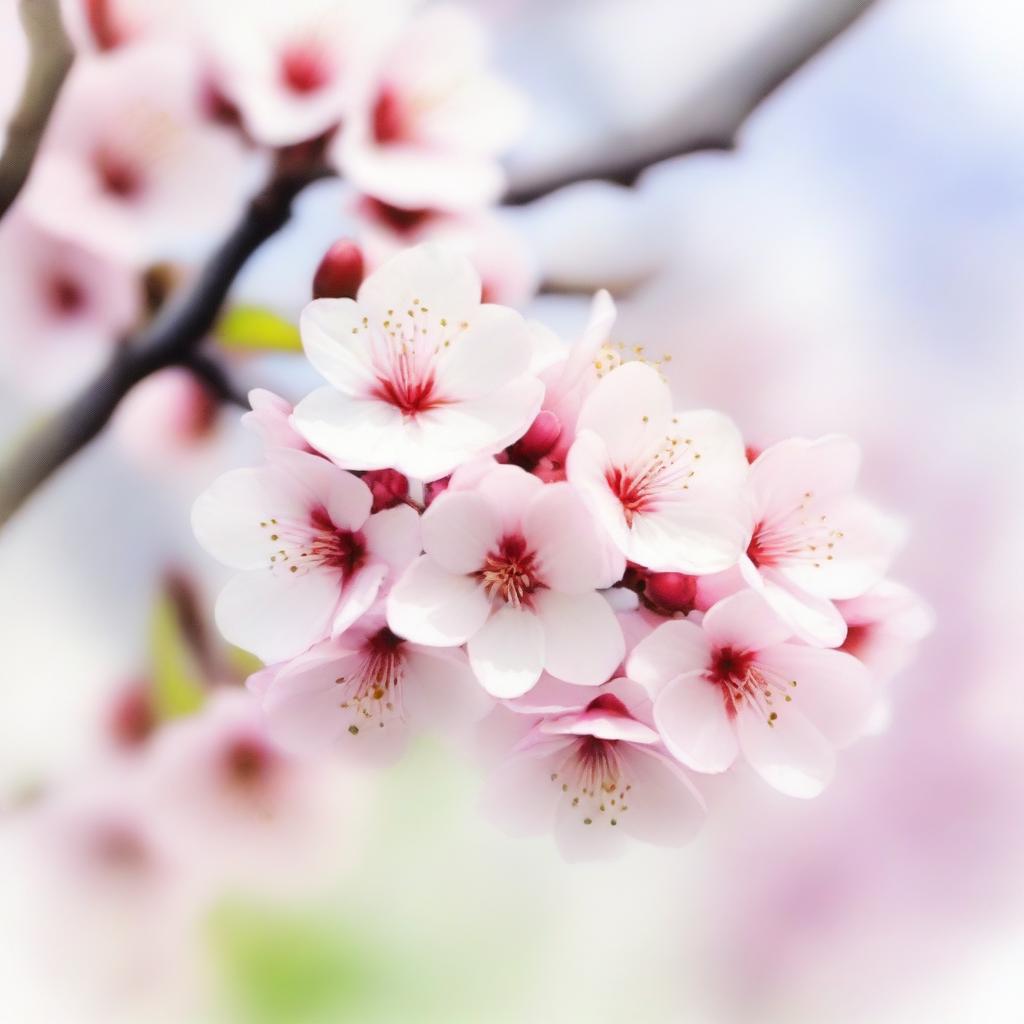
x=340 y=272
x=388 y=487
x=672 y=591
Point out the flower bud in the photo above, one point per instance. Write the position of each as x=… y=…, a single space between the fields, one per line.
x=388 y=487
x=542 y=436
x=672 y=591
x=340 y=272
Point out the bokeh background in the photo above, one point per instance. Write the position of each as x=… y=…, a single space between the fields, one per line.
x=854 y=264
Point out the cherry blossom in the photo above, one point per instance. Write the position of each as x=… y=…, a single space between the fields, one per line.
x=312 y=556
x=594 y=773
x=293 y=70
x=512 y=569
x=270 y=420
x=137 y=170
x=739 y=683
x=108 y=24
x=811 y=539
x=421 y=376
x=65 y=307
x=884 y=626
x=665 y=486
x=431 y=126
x=364 y=693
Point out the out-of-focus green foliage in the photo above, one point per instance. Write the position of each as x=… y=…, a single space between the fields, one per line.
x=176 y=676
x=255 y=329
x=290 y=967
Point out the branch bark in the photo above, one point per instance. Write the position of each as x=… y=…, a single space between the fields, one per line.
x=712 y=119
x=171 y=340
x=50 y=58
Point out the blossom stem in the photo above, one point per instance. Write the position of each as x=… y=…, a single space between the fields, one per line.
x=171 y=340
x=50 y=58
x=712 y=118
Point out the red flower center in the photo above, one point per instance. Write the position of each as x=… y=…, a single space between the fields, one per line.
x=337 y=549
x=412 y=394
x=66 y=295
x=304 y=69
x=389 y=121
x=118 y=176
x=510 y=573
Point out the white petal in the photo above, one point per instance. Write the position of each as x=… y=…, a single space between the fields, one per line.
x=630 y=410
x=336 y=343
x=357 y=595
x=356 y=433
x=507 y=653
x=560 y=529
x=431 y=606
x=459 y=529
x=428 y=276
x=690 y=714
x=227 y=518
x=583 y=837
x=491 y=351
x=583 y=640
x=509 y=491
x=790 y=754
x=519 y=796
x=723 y=468
x=815 y=620
x=277 y=615
x=674 y=648
x=586 y=465
x=345 y=497
x=687 y=536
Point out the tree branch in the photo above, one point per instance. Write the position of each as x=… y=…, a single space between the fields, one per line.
x=712 y=119
x=171 y=340
x=50 y=57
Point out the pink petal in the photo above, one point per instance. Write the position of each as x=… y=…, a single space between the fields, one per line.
x=601 y=723
x=791 y=755
x=347 y=499
x=277 y=615
x=583 y=640
x=394 y=536
x=586 y=465
x=507 y=653
x=690 y=714
x=520 y=795
x=673 y=649
x=431 y=606
x=459 y=529
x=551 y=696
x=688 y=536
x=440 y=691
x=815 y=620
x=509 y=491
x=336 y=343
x=664 y=807
x=357 y=594
x=834 y=690
x=559 y=528
x=745 y=622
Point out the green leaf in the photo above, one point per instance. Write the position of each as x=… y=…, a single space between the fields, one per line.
x=255 y=329
x=177 y=679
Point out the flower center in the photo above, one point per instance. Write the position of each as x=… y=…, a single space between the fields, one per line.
x=743 y=681
x=800 y=535
x=857 y=638
x=66 y=295
x=389 y=119
x=248 y=761
x=509 y=574
x=407 y=392
x=118 y=176
x=591 y=779
x=664 y=475
x=304 y=69
x=374 y=692
x=300 y=547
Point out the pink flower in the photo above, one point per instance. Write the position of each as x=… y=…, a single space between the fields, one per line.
x=513 y=568
x=312 y=557
x=665 y=486
x=422 y=376
x=738 y=684
x=594 y=773
x=65 y=309
x=107 y=24
x=292 y=69
x=429 y=131
x=130 y=164
x=811 y=540
x=365 y=693
x=270 y=420
x=884 y=626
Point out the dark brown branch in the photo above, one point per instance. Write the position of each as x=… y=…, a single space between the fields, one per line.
x=712 y=119
x=171 y=340
x=50 y=57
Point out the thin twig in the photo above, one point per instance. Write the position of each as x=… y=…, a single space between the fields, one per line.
x=711 y=120
x=50 y=57
x=171 y=340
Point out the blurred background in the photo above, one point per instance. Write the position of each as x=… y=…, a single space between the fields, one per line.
x=854 y=264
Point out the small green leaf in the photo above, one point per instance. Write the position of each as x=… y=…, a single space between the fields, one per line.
x=176 y=677
x=255 y=329
x=242 y=663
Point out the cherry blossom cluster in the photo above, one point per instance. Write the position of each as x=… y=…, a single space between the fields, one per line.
x=172 y=113
x=471 y=523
